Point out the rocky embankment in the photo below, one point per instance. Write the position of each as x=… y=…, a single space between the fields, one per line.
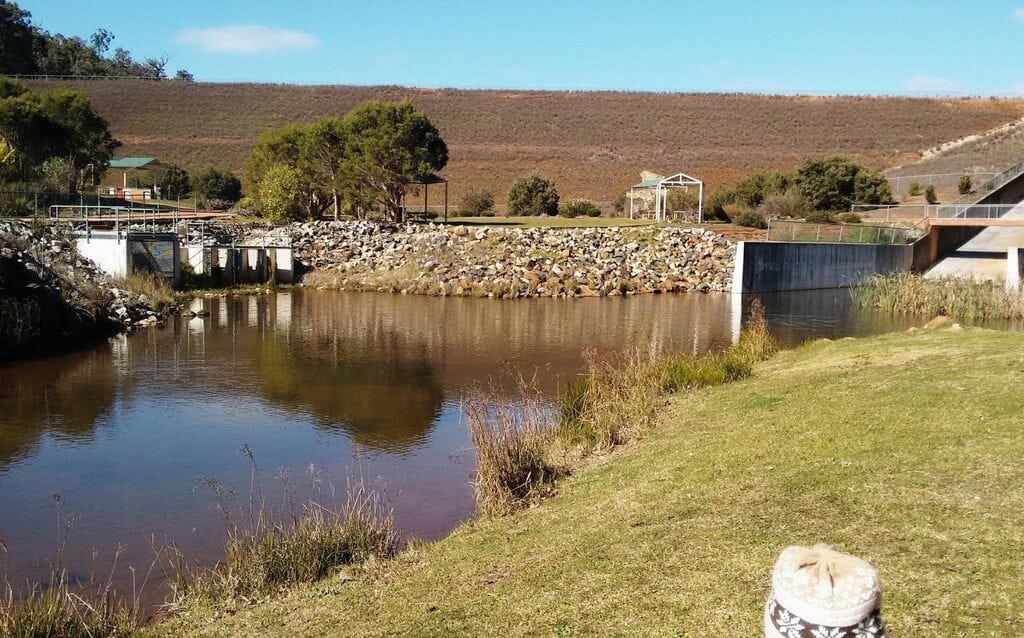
x=514 y=262
x=51 y=299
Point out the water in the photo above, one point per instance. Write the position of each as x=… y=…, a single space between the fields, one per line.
x=359 y=384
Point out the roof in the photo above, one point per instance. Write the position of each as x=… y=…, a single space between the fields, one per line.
x=648 y=183
x=133 y=162
x=679 y=179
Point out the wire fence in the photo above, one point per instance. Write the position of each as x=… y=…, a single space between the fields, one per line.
x=797 y=231
x=944 y=181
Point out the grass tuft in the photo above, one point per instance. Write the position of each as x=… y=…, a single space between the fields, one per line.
x=157 y=291
x=910 y=294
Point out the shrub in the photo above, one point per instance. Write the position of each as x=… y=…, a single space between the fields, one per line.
x=733 y=211
x=915 y=189
x=15 y=206
x=579 y=208
x=819 y=217
x=478 y=201
x=531 y=196
x=219 y=188
x=621 y=205
x=278 y=194
x=965 y=184
x=751 y=219
x=157 y=291
x=930 y=196
x=848 y=218
x=788 y=204
x=835 y=183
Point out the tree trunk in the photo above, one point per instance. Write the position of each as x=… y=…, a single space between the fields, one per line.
x=334 y=193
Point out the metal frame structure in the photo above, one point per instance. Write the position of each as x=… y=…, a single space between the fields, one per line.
x=661 y=188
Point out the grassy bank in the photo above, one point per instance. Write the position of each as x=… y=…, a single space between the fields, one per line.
x=906 y=293
x=903 y=449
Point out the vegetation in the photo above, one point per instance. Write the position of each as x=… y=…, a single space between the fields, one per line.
x=964 y=299
x=279 y=195
x=915 y=189
x=154 y=288
x=849 y=218
x=579 y=208
x=835 y=183
x=26 y=49
x=965 y=184
x=532 y=196
x=570 y=138
x=53 y=135
x=930 y=196
x=790 y=204
x=276 y=547
x=218 y=188
x=751 y=219
x=477 y=201
x=174 y=181
x=859 y=442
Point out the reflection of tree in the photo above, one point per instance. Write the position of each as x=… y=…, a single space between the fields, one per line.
x=66 y=396
x=381 y=398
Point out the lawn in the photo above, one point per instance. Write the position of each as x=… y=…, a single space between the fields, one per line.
x=904 y=449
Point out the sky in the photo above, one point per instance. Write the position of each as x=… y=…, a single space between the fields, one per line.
x=914 y=47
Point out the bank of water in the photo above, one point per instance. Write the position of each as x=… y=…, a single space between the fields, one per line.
x=359 y=384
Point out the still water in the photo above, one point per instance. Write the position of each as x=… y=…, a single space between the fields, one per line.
x=362 y=385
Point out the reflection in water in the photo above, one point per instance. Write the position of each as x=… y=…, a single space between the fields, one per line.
x=341 y=380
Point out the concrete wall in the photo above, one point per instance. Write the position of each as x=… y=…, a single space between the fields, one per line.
x=1014 y=268
x=108 y=251
x=783 y=266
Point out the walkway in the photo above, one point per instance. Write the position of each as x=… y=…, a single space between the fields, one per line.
x=984 y=256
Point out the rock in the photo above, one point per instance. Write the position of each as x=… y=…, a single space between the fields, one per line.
x=940 y=321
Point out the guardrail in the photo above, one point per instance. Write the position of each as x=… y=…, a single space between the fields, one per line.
x=992 y=185
x=797 y=231
x=916 y=212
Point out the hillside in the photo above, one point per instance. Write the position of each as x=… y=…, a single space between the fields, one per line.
x=899 y=449
x=592 y=143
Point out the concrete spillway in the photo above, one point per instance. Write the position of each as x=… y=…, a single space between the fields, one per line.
x=983 y=257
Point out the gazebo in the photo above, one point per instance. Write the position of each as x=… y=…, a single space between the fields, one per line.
x=129 y=164
x=659 y=187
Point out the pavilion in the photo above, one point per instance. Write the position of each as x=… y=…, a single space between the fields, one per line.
x=656 y=189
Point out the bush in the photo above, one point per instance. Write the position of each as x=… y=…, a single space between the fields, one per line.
x=621 y=205
x=733 y=211
x=477 y=201
x=915 y=189
x=819 y=217
x=579 y=208
x=930 y=196
x=216 y=186
x=835 y=183
x=532 y=196
x=848 y=218
x=277 y=195
x=751 y=219
x=788 y=204
x=965 y=185
x=16 y=206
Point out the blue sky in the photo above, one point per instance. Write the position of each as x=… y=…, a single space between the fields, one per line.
x=785 y=46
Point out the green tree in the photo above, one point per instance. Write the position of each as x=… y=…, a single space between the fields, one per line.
x=18 y=40
x=388 y=146
x=6 y=161
x=184 y=76
x=173 y=181
x=82 y=137
x=533 y=195
x=835 y=183
x=930 y=196
x=278 y=195
x=218 y=188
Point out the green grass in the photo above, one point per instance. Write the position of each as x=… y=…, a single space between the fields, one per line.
x=549 y=222
x=903 y=449
x=906 y=293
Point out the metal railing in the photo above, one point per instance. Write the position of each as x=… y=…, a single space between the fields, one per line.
x=797 y=231
x=992 y=185
x=916 y=212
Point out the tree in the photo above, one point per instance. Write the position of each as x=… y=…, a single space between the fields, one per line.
x=835 y=183
x=277 y=197
x=174 y=181
x=219 y=188
x=930 y=196
x=533 y=195
x=101 y=40
x=184 y=76
x=82 y=137
x=314 y=151
x=965 y=184
x=18 y=40
x=388 y=146
x=477 y=201
x=6 y=161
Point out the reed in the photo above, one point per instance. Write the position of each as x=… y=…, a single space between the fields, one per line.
x=271 y=547
x=964 y=299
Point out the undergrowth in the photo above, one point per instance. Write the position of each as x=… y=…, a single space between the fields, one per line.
x=906 y=293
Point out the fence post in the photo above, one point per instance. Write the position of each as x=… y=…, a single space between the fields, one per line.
x=860 y=237
x=794 y=232
x=817 y=233
x=840 y=233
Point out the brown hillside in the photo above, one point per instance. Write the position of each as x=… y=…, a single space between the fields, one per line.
x=592 y=143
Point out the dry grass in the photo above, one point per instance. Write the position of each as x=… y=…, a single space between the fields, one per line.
x=906 y=293
x=272 y=548
x=522 y=448
x=159 y=294
x=593 y=144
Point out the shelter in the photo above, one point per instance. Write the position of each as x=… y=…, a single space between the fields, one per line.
x=425 y=183
x=129 y=164
x=656 y=188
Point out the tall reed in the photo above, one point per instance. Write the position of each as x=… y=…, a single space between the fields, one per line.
x=906 y=293
x=269 y=547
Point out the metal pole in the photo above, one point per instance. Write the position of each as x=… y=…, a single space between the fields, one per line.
x=446 y=201
x=700 y=203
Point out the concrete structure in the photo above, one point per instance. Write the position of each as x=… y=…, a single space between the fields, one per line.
x=119 y=253
x=983 y=255
x=1014 y=269
x=230 y=265
x=786 y=266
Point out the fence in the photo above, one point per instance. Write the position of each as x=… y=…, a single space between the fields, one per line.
x=944 y=181
x=795 y=231
x=919 y=212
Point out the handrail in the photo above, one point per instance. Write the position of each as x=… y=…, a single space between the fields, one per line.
x=991 y=185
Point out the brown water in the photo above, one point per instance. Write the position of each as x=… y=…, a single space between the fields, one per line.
x=360 y=384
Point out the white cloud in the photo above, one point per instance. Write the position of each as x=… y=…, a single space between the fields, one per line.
x=931 y=84
x=1018 y=14
x=246 y=39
